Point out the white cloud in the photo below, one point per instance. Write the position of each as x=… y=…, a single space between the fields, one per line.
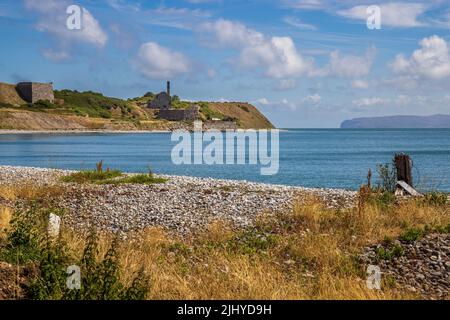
x=360 y=84
x=286 y=84
x=393 y=14
x=52 y=20
x=225 y=33
x=55 y=55
x=179 y=18
x=278 y=56
x=368 y=102
x=305 y=4
x=299 y=24
x=157 y=62
x=314 y=99
x=351 y=66
x=431 y=61
x=263 y=101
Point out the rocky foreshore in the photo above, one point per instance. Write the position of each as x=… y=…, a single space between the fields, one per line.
x=181 y=205
x=422 y=267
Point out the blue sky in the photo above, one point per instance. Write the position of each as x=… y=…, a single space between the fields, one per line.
x=304 y=63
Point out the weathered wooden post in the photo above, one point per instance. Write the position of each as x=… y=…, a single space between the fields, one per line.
x=403 y=165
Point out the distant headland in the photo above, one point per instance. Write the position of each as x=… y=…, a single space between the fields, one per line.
x=33 y=106
x=400 y=122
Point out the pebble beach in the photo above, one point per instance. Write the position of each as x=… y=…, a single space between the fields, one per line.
x=180 y=205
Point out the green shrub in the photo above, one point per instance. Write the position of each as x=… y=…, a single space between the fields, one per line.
x=389 y=254
x=387 y=174
x=100 y=278
x=91 y=103
x=42 y=104
x=27 y=231
x=252 y=241
x=382 y=199
x=412 y=234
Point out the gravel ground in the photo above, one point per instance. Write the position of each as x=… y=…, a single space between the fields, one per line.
x=423 y=268
x=182 y=204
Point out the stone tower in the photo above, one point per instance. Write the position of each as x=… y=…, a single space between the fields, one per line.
x=33 y=91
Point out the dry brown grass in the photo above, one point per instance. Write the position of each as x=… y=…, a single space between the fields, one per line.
x=311 y=255
x=308 y=253
x=28 y=190
x=5 y=218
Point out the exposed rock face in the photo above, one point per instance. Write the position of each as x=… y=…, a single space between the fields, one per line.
x=32 y=91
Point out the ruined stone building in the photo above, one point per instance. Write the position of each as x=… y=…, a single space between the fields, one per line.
x=162 y=100
x=163 y=103
x=32 y=92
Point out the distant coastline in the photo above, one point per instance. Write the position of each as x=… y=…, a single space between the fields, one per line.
x=438 y=121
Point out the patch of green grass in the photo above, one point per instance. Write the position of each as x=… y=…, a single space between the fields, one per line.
x=382 y=199
x=389 y=254
x=252 y=241
x=412 y=234
x=91 y=176
x=208 y=112
x=134 y=179
x=6 y=105
x=91 y=103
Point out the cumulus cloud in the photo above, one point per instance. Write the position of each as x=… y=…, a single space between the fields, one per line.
x=263 y=101
x=52 y=20
x=360 y=84
x=393 y=14
x=314 y=99
x=431 y=61
x=157 y=62
x=278 y=56
x=350 y=66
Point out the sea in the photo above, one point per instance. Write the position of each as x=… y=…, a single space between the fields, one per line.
x=324 y=158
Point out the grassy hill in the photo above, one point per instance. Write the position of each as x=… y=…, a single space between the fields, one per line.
x=9 y=96
x=91 y=110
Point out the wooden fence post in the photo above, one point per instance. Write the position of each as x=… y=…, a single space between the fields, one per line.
x=403 y=165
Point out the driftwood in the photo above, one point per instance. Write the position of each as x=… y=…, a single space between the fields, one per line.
x=404 y=189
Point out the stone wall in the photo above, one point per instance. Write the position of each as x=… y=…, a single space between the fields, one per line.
x=189 y=114
x=32 y=91
x=220 y=125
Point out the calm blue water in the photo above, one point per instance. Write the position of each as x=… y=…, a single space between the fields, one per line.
x=316 y=158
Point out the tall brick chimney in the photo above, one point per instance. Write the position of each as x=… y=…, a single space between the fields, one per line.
x=168 y=88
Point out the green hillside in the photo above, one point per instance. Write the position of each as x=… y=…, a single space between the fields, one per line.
x=96 y=110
